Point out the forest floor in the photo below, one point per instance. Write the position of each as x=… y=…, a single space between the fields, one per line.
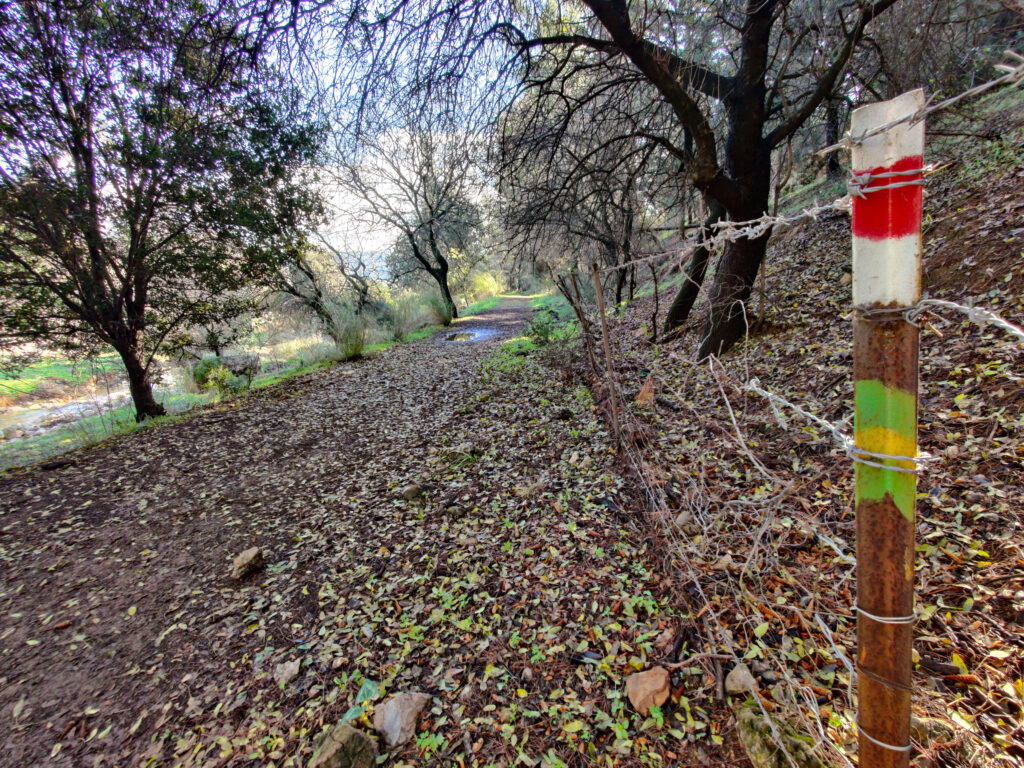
x=517 y=590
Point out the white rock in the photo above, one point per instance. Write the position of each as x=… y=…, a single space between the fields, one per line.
x=412 y=490
x=247 y=563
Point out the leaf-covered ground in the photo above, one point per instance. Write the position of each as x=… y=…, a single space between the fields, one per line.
x=517 y=591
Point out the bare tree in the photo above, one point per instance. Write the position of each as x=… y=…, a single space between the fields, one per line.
x=729 y=82
x=419 y=182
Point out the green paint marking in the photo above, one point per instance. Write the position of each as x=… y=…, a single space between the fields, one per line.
x=877 y=405
x=888 y=416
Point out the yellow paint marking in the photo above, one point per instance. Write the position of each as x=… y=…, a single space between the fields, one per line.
x=887 y=441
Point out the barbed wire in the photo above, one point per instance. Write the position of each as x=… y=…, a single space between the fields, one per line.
x=724 y=519
x=1014 y=76
x=731 y=231
x=974 y=314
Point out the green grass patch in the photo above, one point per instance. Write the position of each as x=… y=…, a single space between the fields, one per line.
x=553 y=302
x=509 y=357
x=518 y=346
x=422 y=333
x=28 y=379
x=481 y=306
x=666 y=288
x=289 y=372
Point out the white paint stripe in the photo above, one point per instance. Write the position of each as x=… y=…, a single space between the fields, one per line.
x=886 y=148
x=887 y=271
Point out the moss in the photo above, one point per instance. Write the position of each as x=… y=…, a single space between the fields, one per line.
x=764 y=751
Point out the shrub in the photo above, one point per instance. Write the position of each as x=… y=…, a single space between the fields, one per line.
x=483 y=285
x=350 y=332
x=225 y=382
x=202 y=371
x=544 y=325
x=440 y=309
x=211 y=373
x=405 y=315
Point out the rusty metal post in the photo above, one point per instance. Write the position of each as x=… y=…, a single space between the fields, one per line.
x=887 y=196
x=607 y=355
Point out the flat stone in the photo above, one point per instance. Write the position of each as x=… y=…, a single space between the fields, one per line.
x=648 y=689
x=739 y=681
x=764 y=750
x=929 y=730
x=247 y=563
x=396 y=718
x=287 y=671
x=345 y=747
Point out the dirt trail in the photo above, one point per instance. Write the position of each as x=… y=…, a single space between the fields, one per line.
x=124 y=639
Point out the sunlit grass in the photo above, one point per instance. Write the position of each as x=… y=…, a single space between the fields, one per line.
x=28 y=379
x=481 y=306
x=93 y=430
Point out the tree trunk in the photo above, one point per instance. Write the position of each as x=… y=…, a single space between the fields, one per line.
x=442 y=281
x=139 y=385
x=737 y=268
x=681 y=305
x=728 y=319
x=833 y=116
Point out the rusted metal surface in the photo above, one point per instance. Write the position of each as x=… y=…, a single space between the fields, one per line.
x=886 y=352
x=886 y=283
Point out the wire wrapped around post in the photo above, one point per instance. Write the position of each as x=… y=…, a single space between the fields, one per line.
x=886 y=283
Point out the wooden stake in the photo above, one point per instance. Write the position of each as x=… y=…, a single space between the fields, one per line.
x=607 y=355
x=584 y=325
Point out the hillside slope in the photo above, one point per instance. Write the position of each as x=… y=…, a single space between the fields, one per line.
x=753 y=502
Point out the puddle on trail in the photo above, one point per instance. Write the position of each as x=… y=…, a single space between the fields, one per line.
x=478 y=334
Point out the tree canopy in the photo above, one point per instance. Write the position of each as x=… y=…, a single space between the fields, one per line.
x=150 y=166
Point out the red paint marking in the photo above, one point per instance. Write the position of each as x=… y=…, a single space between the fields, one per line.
x=889 y=212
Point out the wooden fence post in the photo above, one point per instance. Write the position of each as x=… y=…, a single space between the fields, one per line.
x=607 y=356
x=887 y=196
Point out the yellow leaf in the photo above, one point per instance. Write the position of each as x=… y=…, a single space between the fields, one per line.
x=960 y=664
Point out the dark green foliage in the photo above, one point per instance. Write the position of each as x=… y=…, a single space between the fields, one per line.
x=149 y=172
x=544 y=325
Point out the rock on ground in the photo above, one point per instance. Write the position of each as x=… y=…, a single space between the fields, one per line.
x=287 y=671
x=247 y=563
x=648 y=689
x=763 y=749
x=412 y=491
x=396 y=718
x=345 y=747
x=739 y=681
